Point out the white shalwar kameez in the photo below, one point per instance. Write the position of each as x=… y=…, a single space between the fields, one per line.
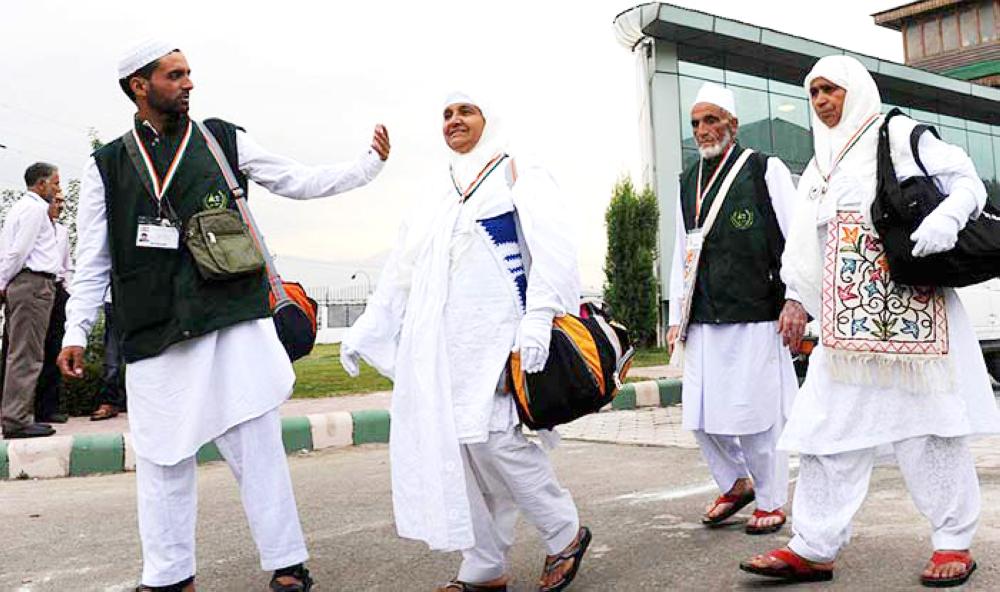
x=839 y=428
x=739 y=381
x=225 y=387
x=442 y=324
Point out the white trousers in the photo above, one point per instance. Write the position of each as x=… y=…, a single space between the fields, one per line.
x=168 y=503
x=505 y=474
x=940 y=475
x=748 y=455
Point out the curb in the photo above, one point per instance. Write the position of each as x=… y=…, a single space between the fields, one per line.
x=92 y=454
x=662 y=392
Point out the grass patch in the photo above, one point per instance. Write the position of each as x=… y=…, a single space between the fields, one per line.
x=650 y=356
x=320 y=375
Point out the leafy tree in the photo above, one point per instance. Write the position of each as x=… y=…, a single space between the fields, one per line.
x=630 y=287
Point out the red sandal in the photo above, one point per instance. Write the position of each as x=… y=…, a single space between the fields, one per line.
x=758 y=514
x=940 y=558
x=738 y=503
x=795 y=568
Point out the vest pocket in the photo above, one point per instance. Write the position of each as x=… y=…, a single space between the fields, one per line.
x=143 y=298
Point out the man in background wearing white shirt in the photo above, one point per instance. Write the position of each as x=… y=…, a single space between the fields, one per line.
x=28 y=267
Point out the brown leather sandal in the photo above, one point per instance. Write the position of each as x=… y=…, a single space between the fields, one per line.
x=105 y=411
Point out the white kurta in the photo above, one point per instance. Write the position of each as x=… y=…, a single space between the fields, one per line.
x=830 y=417
x=738 y=377
x=197 y=389
x=407 y=330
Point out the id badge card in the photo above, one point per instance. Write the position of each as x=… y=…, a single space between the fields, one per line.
x=157 y=233
x=694 y=240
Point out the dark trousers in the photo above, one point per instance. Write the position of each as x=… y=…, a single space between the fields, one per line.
x=49 y=379
x=112 y=378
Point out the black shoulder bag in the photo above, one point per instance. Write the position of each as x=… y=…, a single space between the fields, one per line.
x=898 y=210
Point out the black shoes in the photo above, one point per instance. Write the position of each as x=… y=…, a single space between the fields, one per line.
x=299 y=572
x=35 y=430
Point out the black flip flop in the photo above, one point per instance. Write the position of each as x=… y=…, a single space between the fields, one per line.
x=576 y=556
x=738 y=503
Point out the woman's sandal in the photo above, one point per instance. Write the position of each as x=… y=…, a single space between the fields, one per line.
x=758 y=514
x=554 y=561
x=795 y=568
x=738 y=502
x=299 y=572
x=940 y=558
x=459 y=586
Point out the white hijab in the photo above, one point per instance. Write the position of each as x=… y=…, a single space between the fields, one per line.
x=465 y=167
x=852 y=180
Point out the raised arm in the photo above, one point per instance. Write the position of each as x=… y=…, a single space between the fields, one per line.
x=289 y=178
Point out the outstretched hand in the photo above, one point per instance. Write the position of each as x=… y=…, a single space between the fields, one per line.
x=380 y=141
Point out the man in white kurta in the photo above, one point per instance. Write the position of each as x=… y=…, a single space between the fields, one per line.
x=482 y=268
x=738 y=375
x=857 y=404
x=224 y=386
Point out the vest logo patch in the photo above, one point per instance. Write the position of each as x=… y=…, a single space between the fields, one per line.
x=742 y=219
x=215 y=200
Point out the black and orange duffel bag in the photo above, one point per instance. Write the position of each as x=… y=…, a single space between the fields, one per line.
x=589 y=357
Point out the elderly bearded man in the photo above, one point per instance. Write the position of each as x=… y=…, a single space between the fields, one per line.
x=205 y=362
x=869 y=390
x=733 y=315
x=483 y=269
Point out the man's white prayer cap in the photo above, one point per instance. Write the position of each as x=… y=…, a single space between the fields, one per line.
x=141 y=54
x=714 y=94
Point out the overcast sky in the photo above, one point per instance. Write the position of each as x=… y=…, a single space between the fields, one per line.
x=310 y=79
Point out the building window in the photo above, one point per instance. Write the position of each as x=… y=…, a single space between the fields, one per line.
x=987 y=22
x=970 y=26
x=932 y=37
x=949 y=32
x=914 y=45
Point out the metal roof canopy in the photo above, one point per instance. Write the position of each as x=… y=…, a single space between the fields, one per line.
x=704 y=38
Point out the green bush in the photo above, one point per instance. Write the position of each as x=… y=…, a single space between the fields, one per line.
x=78 y=395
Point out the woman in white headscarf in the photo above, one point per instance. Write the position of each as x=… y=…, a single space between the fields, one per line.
x=919 y=392
x=480 y=270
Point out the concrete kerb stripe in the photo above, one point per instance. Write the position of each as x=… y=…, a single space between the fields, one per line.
x=662 y=392
x=85 y=454
x=88 y=454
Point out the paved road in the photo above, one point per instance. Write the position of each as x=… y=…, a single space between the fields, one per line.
x=79 y=534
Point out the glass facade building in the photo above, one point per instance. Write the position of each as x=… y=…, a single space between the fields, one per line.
x=678 y=49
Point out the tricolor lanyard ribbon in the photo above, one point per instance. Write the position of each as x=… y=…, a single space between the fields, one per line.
x=699 y=191
x=483 y=174
x=160 y=186
x=851 y=143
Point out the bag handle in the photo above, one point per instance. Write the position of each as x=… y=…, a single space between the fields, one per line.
x=273 y=279
x=918 y=131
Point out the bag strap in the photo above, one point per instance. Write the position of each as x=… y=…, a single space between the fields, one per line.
x=918 y=130
x=720 y=196
x=273 y=279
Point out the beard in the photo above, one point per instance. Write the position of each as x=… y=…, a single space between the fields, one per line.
x=714 y=150
x=172 y=109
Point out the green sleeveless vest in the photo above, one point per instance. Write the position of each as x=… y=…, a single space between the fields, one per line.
x=738 y=277
x=159 y=297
